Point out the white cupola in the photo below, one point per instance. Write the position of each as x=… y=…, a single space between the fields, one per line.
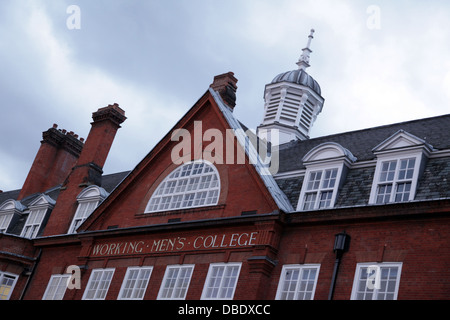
x=292 y=102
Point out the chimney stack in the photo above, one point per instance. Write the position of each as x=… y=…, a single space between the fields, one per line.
x=225 y=85
x=54 y=160
x=89 y=167
x=106 y=122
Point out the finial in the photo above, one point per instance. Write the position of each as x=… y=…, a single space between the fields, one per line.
x=303 y=61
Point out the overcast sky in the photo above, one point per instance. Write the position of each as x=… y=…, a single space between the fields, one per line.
x=377 y=62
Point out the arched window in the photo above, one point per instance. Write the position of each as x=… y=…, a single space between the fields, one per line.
x=88 y=200
x=326 y=166
x=8 y=210
x=38 y=210
x=194 y=184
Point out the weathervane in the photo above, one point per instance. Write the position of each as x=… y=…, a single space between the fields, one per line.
x=303 y=61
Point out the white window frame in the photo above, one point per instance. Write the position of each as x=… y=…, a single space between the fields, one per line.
x=84 y=210
x=219 y=288
x=322 y=158
x=176 y=281
x=7 y=286
x=399 y=146
x=371 y=284
x=102 y=277
x=57 y=286
x=135 y=288
x=8 y=209
x=321 y=189
x=187 y=187
x=298 y=288
x=88 y=200
x=5 y=220
x=378 y=182
x=38 y=210
x=33 y=223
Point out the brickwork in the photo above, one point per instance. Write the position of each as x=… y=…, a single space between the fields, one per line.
x=420 y=244
x=129 y=208
x=88 y=168
x=58 y=153
x=246 y=226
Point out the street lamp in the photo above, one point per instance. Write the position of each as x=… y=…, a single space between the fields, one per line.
x=341 y=245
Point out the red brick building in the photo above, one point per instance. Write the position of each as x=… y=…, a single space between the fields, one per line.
x=205 y=215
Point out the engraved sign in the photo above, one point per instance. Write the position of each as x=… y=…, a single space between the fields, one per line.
x=173 y=244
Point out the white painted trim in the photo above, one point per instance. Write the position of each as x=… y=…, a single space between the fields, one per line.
x=360 y=266
x=396 y=156
x=322 y=168
x=157 y=193
x=208 y=277
x=125 y=280
x=12 y=275
x=96 y=290
x=299 y=267
x=166 y=274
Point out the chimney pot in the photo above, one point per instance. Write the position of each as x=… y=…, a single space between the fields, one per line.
x=225 y=85
x=112 y=112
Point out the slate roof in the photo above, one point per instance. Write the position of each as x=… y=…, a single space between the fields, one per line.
x=111 y=181
x=8 y=195
x=435 y=131
x=355 y=191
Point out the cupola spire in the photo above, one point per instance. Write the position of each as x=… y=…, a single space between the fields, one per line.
x=303 y=61
x=292 y=102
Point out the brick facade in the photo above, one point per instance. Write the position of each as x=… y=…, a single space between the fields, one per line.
x=249 y=225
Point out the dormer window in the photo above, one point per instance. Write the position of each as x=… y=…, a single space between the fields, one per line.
x=400 y=159
x=88 y=200
x=326 y=166
x=8 y=210
x=33 y=223
x=320 y=189
x=395 y=180
x=38 y=209
x=5 y=219
x=194 y=184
